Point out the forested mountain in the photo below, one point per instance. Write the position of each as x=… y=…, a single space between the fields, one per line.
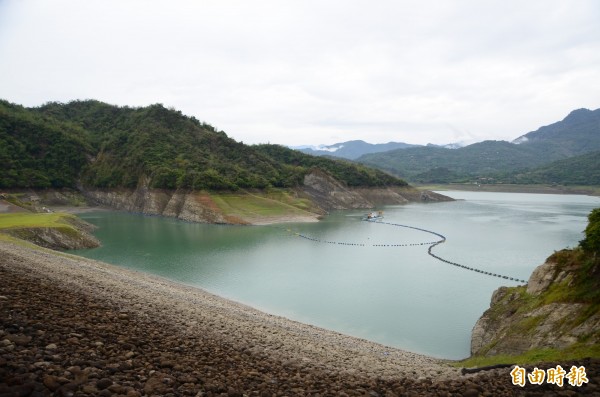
x=480 y=158
x=578 y=170
x=577 y=134
x=354 y=174
x=101 y=145
x=38 y=151
x=354 y=149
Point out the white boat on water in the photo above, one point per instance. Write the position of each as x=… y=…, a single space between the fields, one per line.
x=373 y=215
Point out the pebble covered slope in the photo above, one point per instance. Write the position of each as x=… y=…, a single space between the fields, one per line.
x=75 y=327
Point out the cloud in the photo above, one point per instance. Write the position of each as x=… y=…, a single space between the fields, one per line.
x=313 y=72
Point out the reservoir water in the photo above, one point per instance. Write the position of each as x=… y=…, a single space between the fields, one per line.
x=352 y=277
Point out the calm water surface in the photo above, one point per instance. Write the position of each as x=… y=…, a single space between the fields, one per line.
x=399 y=296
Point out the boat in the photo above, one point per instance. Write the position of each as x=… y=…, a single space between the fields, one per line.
x=373 y=216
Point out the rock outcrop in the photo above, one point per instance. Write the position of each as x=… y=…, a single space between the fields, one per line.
x=551 y=311
x=323 y=191
x=188 y=206
x=330 y=194
x=75 y=234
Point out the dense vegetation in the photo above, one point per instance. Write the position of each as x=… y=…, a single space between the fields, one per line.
x=559 y=153
x=106 y=146
x=591 y=242
x=578 y=170
x=36 y=151
x=576 y=134
x=354 y=174
x=479 y=159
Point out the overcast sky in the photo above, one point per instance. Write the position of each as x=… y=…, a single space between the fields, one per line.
x=314 y=72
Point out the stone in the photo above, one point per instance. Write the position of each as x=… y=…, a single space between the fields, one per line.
x=41 y=364
x=471 y=393
x=51 y=382
x=105 y=393
x=19 y=340
x=89 y=389
x=540 y=278
x=116 y=388
x=166 y=363
x=103 y=383
x=158 y=383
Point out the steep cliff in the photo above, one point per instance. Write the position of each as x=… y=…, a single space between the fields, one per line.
x=559 y=309
x=319 y=194
x=330 y=194
x=62 y=232
x=188 y=206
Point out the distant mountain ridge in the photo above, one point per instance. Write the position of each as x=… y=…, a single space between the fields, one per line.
x=352 y=150
x=574 y=129
x=578 y=170
x=501 y=161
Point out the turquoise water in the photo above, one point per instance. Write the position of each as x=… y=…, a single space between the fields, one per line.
x=398 y=296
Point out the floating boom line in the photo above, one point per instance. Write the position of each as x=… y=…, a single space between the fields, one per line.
x=431 y=244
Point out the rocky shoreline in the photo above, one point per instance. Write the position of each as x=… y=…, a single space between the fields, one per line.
x=70 y=326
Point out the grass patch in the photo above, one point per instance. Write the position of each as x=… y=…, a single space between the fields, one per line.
x=576 y=351
x=51 y=230
x=20 y=224
x=30 y=220
x=528 y=325
x=560 y=293
x=285 y=197
x=515 y=300
x=270 y=204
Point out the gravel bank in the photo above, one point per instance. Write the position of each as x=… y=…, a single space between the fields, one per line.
x=73 y=326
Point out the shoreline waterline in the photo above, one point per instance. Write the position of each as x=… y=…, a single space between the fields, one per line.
x=198 y=312
x=383 y=287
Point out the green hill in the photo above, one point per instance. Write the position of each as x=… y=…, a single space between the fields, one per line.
x=578 y=170
x=576 y=135
x=479 y=159
x=39 y=151
x=352 y=173
x=100 y=145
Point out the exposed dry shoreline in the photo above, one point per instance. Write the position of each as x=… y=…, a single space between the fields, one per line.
x=508 y=188
x=74 y=326
x=192 y=309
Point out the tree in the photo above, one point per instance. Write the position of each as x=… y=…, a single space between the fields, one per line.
x=591 y=242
